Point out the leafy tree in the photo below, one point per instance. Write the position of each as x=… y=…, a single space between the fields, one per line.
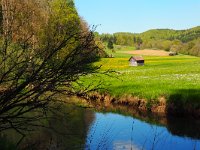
x=42 y=54
x=138 y=42
x=110 y=44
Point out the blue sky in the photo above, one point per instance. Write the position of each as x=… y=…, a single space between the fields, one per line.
x=139 y=15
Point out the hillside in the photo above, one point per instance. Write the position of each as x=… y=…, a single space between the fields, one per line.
x=170 y=34
x=180 y=41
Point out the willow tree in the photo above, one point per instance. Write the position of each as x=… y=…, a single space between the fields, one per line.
x=44 y=49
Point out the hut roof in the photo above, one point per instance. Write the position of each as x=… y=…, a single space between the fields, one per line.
x=137 y=58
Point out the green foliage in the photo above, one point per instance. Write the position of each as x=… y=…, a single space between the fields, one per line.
x=110 y=44
x=169 y=34
x=42 y=62
x=63 y=23
x=101 y=52
x=181 y=41
x=124 y=39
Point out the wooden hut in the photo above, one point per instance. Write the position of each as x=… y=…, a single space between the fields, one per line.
x=136 y=61
x=173 y=53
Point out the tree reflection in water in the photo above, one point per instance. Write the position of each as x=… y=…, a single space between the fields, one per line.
x=78 y=128
x=65 y=131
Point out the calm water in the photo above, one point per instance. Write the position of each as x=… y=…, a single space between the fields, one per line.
x=83 y=129
x=117 y=132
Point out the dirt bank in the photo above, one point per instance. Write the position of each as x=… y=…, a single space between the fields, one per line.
x=160 y=106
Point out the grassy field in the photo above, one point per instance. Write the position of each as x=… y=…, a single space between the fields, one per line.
x=174 y=77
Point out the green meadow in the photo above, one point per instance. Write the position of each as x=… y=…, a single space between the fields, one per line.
x=176 y=78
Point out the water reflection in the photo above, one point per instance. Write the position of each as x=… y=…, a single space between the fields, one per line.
x=67 y=130
x=185 y=127
x=113 y=131
x=79 y=128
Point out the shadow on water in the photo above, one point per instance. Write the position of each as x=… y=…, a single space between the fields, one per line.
x=184 y=127
x=66 y=131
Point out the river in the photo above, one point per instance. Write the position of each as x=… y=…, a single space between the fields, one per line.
x=117 y=132
x=91 y=130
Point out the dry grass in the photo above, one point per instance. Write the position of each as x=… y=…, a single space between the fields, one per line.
x=148 y=52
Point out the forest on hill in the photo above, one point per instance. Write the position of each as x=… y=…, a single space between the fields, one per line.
x=181 y=41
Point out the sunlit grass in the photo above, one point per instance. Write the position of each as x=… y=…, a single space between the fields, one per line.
x=161 y=76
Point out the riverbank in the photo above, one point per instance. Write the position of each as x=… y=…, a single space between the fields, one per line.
x=160 y=107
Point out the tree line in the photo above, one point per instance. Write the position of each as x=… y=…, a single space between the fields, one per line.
x=181 y=41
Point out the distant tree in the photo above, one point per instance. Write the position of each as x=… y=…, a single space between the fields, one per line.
x=105 y=37
x=139 y=42
x=196 y=49
x=166 y=45
x=134 y=39
x=100 y=44
x=110 y=44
